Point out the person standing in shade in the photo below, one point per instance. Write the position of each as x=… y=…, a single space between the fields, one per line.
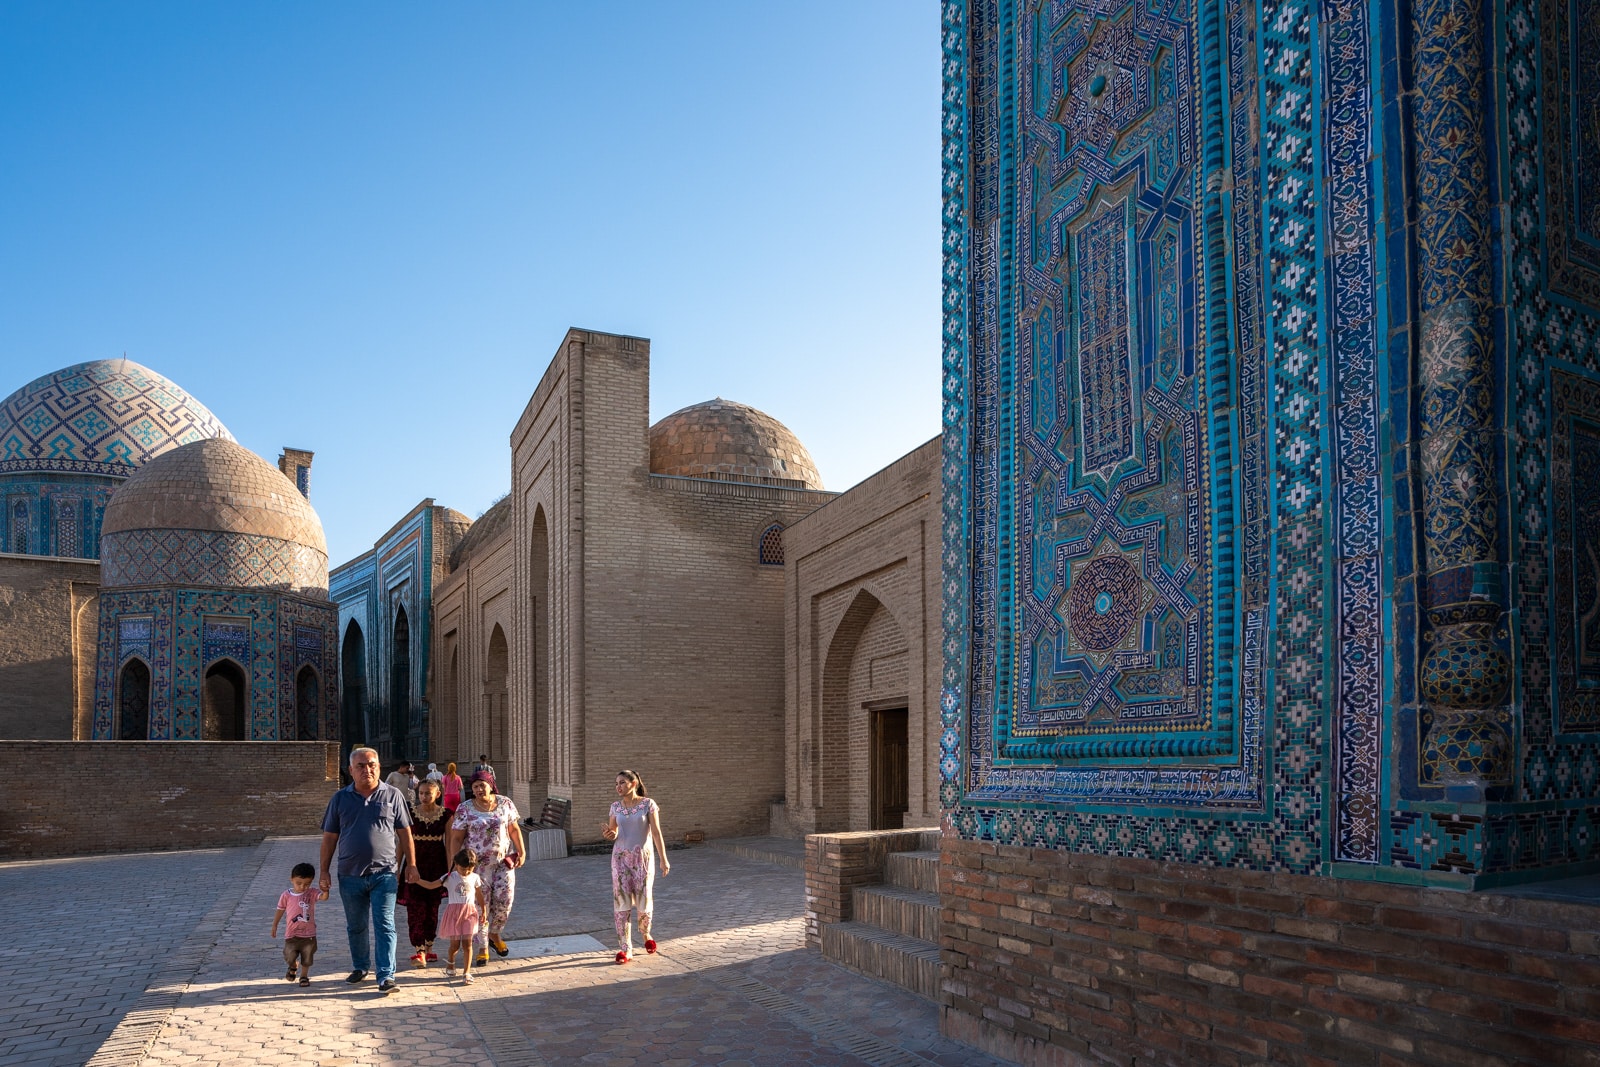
x=367 y=826
x=635 y=826
x=403 y=779
x=453 y=787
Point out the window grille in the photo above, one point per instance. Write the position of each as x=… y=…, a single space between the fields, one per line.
x=772 y=546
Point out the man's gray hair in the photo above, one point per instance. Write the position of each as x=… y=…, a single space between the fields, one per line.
x=362 y=748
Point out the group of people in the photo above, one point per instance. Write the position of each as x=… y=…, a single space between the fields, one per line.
x=452 y=865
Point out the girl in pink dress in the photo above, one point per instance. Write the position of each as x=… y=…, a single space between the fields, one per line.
x=463 y=907
x=635 y=826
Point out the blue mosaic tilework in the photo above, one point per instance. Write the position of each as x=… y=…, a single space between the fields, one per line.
x=104 y=417
x=1256 y=345
x=182 y=632
x=54 y=517
x=211 y=558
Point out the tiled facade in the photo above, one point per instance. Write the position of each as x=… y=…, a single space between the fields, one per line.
x=69 y=438
x=1269 y=395
x=384 y=645
x=215 y=575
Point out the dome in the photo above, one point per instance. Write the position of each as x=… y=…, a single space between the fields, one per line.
x=732 y=442
x=213 y=513
x=490 y=525
x=106 y=417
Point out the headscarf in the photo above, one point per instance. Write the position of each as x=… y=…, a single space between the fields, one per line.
x=482 y=776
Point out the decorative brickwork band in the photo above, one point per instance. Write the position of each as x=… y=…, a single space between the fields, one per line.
x=1465 y=674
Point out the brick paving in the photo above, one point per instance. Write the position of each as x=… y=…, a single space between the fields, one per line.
x=165 y=959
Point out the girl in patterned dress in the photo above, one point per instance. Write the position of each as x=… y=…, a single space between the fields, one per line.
x=489 y=824
x=635 y=826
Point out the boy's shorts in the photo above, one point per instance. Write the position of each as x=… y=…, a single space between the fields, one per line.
x=299 y=950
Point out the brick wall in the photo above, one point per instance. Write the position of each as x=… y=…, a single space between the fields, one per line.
x=48 y=626
x=1065 y=958
x=837 y=863
x=78 y=797
x=861 y=626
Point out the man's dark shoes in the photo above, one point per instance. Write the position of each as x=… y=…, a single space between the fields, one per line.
x=387 y=987
x=356 y=976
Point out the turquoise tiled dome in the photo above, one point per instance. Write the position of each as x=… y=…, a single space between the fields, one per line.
x=106 y=417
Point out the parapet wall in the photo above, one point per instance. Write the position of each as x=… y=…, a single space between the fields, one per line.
x=78 y=797
x=1067 y=958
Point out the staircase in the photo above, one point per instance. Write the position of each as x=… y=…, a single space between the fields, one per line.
x=894 y=930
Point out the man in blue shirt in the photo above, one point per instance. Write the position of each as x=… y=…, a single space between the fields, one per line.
x=367 y=823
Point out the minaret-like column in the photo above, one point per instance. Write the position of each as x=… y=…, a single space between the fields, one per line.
x=1465 y=675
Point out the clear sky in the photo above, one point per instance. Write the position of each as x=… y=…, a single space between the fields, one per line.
x=363 y=228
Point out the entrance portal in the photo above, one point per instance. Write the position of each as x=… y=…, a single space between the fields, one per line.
x=222 y=704
x=890 y=769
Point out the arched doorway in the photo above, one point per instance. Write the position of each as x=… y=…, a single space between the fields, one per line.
x=495 y=676
x=222 y=703
x=308 y=704
x=400 y=687
x=864 y=738
x=352 y=693
x=133 y=702
x=539 y=641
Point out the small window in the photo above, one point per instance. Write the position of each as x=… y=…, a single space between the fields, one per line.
x=772 y=546
x=19 y=527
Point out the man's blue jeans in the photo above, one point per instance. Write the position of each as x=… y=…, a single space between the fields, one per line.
x=363 y=894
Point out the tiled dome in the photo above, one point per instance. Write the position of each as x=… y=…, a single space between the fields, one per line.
x=732 y=442
x=215 y=514
x=107 y=417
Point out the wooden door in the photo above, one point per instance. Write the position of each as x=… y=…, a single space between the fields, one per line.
x=890 y=769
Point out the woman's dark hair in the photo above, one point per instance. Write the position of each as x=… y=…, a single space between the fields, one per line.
x=638 y=783
x=303 y=870
x=465 y=858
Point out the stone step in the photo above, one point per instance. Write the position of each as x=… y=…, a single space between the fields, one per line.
x=913 y=870
x=908 y=962
x=902 y=911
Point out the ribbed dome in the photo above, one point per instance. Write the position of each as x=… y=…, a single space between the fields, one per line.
x=732 y=442
x=214 y=485
x=105 y=417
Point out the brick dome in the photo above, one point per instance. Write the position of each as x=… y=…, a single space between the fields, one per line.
x=105 y=417
x=213 y=513
x=733 y=442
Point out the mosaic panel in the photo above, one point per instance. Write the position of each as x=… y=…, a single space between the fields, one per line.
x=156 y=607
x=209 y=625
x=1575 y=481
x=1250 y=372
x=68 y=540
x=1571 y=143
x=211 y=558
x=104 y=417
x=308 y=631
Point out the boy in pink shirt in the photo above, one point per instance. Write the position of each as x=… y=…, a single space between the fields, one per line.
x=299 y=903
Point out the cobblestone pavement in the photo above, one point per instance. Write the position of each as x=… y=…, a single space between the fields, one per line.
x=198 y=981
x=90 y=935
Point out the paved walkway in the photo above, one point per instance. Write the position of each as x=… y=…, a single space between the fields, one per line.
x=165 y=959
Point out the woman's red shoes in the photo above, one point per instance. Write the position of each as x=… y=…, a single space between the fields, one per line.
x=650 y=946
x=623 y=957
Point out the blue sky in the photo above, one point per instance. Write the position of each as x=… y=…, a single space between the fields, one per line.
x=363 y=228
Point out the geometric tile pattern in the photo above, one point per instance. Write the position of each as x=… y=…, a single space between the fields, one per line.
x=105 y=417
x=182 y=632
x=211 y=558
x=54 y=516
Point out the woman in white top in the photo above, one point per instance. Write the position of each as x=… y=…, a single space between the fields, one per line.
x=635 y=826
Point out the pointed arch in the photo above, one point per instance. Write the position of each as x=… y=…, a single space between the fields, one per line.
x=539 y=643
x=496 y=678
x=308 y=704
x=133 y=701
x=353 y=691
x=400 y=684
x=842 y=749
x=224 y=702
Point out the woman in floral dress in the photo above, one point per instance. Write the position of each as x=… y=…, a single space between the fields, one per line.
x=635 y=826
x=489 y=824
x=429 y=820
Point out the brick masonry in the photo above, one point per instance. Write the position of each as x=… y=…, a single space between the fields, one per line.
x=1058 y=958
x=75 y=798
x=837 y=864
x=862 y=631
x=48 y=616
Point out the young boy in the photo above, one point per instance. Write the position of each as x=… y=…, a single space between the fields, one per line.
x=300 y=933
